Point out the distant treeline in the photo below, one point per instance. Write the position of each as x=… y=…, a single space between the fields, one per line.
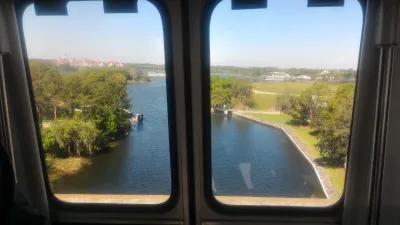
x=259 y=71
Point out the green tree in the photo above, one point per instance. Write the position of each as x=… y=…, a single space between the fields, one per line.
x=243 y=92
x=88 y=108
x=306 y=108
x=74 y=135
x=66 y=68
x=63 y=131
x=46 y=83
x=283 y=101
x=89 y=136
x=48 y=139
x=221 y=92
x=334 y=130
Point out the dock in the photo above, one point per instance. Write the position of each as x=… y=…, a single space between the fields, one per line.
x=224 y=112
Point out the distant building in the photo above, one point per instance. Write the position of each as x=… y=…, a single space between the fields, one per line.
x=86 y=63
x=324 y=72
x=156 y=74
x=303 y=77
x=278 y=76
x=61 y=61
x=114 y=63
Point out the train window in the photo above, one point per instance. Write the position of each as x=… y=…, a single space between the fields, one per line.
x=100 y=89
x=282 y=83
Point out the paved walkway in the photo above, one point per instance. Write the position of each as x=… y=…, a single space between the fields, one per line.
x=269 y=112
x=271 y=93
x=322 y=173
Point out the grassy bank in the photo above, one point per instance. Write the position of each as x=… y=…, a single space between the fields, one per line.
x=58 y=168
x=304 y=133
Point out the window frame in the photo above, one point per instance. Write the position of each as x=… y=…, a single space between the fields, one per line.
x=212 y=209
x=359 y=178
x=69 y=211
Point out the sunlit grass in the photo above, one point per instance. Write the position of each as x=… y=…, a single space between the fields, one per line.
x=303 y=133
x=264 y=102
x=61 y=167
x=282 y=87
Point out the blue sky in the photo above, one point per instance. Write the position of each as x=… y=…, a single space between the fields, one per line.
x=286 y=34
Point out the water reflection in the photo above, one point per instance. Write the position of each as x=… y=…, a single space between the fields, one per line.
x=248 y=159
x=245 y=168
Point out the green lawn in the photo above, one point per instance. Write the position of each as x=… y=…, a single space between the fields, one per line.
x=264 y=102
x=303 y=133
x=282 y=87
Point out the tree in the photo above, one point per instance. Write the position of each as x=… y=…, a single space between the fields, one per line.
x=89 y=136
x=74 y=135
x=283 y=101
x=63 y=132
x=48 y=139
x=221 y=92
x=243 y=92
x=88 y=108
x=334 y=130
x=45 y=83
x=52 y=84
x=66 y=67
x=305 y=109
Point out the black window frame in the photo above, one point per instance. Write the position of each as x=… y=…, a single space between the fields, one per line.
x=148 y=210
x=332 y=213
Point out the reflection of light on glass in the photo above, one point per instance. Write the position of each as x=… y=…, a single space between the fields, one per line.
x=213 y=186
x=245 y=169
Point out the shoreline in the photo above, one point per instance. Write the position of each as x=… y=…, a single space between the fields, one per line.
x=138 y=82
x=322 y=174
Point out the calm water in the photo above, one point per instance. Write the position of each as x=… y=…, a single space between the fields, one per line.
x=249 y=159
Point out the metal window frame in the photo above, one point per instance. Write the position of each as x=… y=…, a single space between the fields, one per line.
x=188 y=39
x=169 y=212
x=362 y=152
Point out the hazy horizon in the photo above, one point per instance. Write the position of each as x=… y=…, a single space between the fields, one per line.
x=216 y=65
x=285 y=35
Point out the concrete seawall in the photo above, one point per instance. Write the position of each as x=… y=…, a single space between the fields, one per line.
x=323 y=176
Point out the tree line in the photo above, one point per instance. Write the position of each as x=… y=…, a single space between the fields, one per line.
x=231 y=92
x=345 y=74
x=328 y=112
x=82 y=111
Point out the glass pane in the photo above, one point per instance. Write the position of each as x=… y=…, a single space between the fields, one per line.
x=282 y=89
x=100 y=89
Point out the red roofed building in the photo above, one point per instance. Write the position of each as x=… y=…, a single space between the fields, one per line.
x=61 y=61
x=79 y=62
x=114 y=63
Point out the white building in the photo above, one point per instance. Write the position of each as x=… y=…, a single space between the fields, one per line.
x=156 y=74
x=278 y=76
x=303 y=77
x=115 y=64
x=325 y=72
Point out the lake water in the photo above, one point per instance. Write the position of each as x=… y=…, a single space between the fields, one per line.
x=248 y=159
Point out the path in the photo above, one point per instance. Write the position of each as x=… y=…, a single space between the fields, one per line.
x=269 y=112
x=271 y=93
